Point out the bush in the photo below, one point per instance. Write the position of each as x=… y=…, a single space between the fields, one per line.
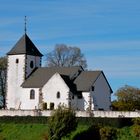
x=136 y=121
x=108 y=133
x=112 y=122
x=92 y=133
x=62 y=122
x=24 y=119
x=136 y=131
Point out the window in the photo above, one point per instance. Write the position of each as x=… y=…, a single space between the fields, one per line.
x=92 y=88
x=79 y=96
x=17 y=60
x=58 y=95
x=32 y=94
x=51 y=106
x=44 y=106
x=72 y=96
x=31 y=64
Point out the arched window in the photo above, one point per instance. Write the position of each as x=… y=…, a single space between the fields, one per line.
x=17 y=60
x=32 y=94
x=58 y=95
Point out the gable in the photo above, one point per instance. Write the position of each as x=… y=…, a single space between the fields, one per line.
x=86 y=79
x=56 y=82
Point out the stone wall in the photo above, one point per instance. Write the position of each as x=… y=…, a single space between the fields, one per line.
x=108 y=114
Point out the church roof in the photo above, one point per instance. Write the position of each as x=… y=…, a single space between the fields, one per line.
x=41 y=76
x=77 y=79
x=86 y=79
x=24 y=46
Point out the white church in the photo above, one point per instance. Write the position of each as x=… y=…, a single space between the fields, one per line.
x=30 y=86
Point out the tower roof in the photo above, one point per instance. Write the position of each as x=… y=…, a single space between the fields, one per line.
x=24 y=46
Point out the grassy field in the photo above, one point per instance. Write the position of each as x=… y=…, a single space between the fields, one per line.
x=19 y=128
x=13 y=131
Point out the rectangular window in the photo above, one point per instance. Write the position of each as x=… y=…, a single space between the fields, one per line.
x=92 y=88
x=72 y=96
x=17 y=60
x=51 y=106
x=79 y=96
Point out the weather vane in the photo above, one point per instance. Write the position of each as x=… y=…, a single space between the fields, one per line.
x=25 y=20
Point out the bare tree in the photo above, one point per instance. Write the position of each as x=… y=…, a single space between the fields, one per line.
x=66 y=56
x=3 y=67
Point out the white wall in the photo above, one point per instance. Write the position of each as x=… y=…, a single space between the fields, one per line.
x=50 y=89
x=84 y=102
x=15 y=77
x=26 y=102
x=101 y=94
x=109 y=114
x=103 y=114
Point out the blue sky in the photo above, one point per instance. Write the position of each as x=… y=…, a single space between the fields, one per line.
x=107 y=31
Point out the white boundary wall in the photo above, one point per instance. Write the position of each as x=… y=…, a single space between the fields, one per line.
x=108 y=114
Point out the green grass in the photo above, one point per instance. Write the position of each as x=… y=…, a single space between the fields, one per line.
x=13 y=131
x=126 y=134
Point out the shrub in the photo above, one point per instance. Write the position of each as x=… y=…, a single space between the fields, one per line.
x=23 y=119
x=112 y=122
x=62 y=122
x=91 y=133
x=108 y=133
x=136 y=130
x=2 y=137
x=136 y=121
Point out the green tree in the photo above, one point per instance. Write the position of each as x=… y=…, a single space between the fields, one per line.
x=62 y=122
x=128 y=99
x=66 y=56
x=3 y=68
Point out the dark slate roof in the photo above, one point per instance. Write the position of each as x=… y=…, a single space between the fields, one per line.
x=40 y=77
x=86 y=79
x=24 y=46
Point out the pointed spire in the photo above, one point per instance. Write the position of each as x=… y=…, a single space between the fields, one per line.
x=25 y=46
x=25 y=24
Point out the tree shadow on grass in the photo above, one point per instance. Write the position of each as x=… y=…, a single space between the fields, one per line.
x=91 y=134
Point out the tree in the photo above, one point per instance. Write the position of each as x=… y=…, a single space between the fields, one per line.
x=3 y=68
x=62 y=122
x=128 y=99
x=66 y=56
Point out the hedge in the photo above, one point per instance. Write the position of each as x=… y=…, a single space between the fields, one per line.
x=113 y=122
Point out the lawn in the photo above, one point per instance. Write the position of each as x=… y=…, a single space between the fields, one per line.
x=14 y=131
x=35 y=128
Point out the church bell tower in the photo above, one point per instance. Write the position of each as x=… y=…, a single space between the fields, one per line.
x=22 y=60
